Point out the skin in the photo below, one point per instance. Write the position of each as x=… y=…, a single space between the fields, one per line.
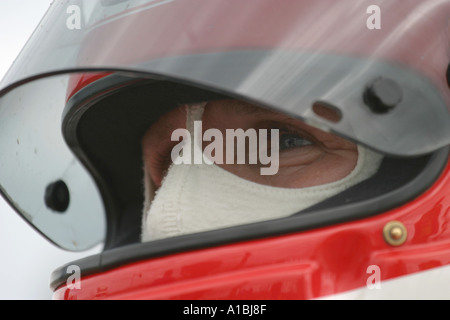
x=323 y=159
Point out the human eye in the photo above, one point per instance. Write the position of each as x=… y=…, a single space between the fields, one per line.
x=289 y=140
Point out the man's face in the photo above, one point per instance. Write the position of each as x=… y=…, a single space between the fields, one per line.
x=307 y=156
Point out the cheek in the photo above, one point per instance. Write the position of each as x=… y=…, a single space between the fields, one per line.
x=157 y=144
x=317 y=168
x=330 y=167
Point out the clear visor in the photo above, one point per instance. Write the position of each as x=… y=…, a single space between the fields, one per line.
x=372 y=72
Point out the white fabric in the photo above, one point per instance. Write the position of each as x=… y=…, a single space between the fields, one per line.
x=195 y=198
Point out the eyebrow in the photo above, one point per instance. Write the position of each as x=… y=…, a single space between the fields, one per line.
x=244 y=108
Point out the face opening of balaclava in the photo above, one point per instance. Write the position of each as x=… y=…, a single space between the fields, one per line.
x=202 y=197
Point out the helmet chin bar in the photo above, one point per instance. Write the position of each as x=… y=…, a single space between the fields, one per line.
x=376 y=195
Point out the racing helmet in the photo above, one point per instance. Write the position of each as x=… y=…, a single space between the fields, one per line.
x=96 y=75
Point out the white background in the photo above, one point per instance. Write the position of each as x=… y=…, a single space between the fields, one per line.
x=26 y=258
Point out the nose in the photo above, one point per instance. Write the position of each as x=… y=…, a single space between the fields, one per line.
x=157 y=144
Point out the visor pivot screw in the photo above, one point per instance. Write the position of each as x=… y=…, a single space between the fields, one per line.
x=57 y=196
x=394 y=233
x=382 y=95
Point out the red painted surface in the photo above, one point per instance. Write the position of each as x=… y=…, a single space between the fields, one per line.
x=298 y=266
x=80 y=80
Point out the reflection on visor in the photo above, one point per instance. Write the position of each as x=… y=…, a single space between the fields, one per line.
x=39 y=175
x=389 y=93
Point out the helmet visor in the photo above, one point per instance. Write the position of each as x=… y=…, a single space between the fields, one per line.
x=379 y=67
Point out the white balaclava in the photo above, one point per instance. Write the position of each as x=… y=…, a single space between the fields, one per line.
x=201 y=197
